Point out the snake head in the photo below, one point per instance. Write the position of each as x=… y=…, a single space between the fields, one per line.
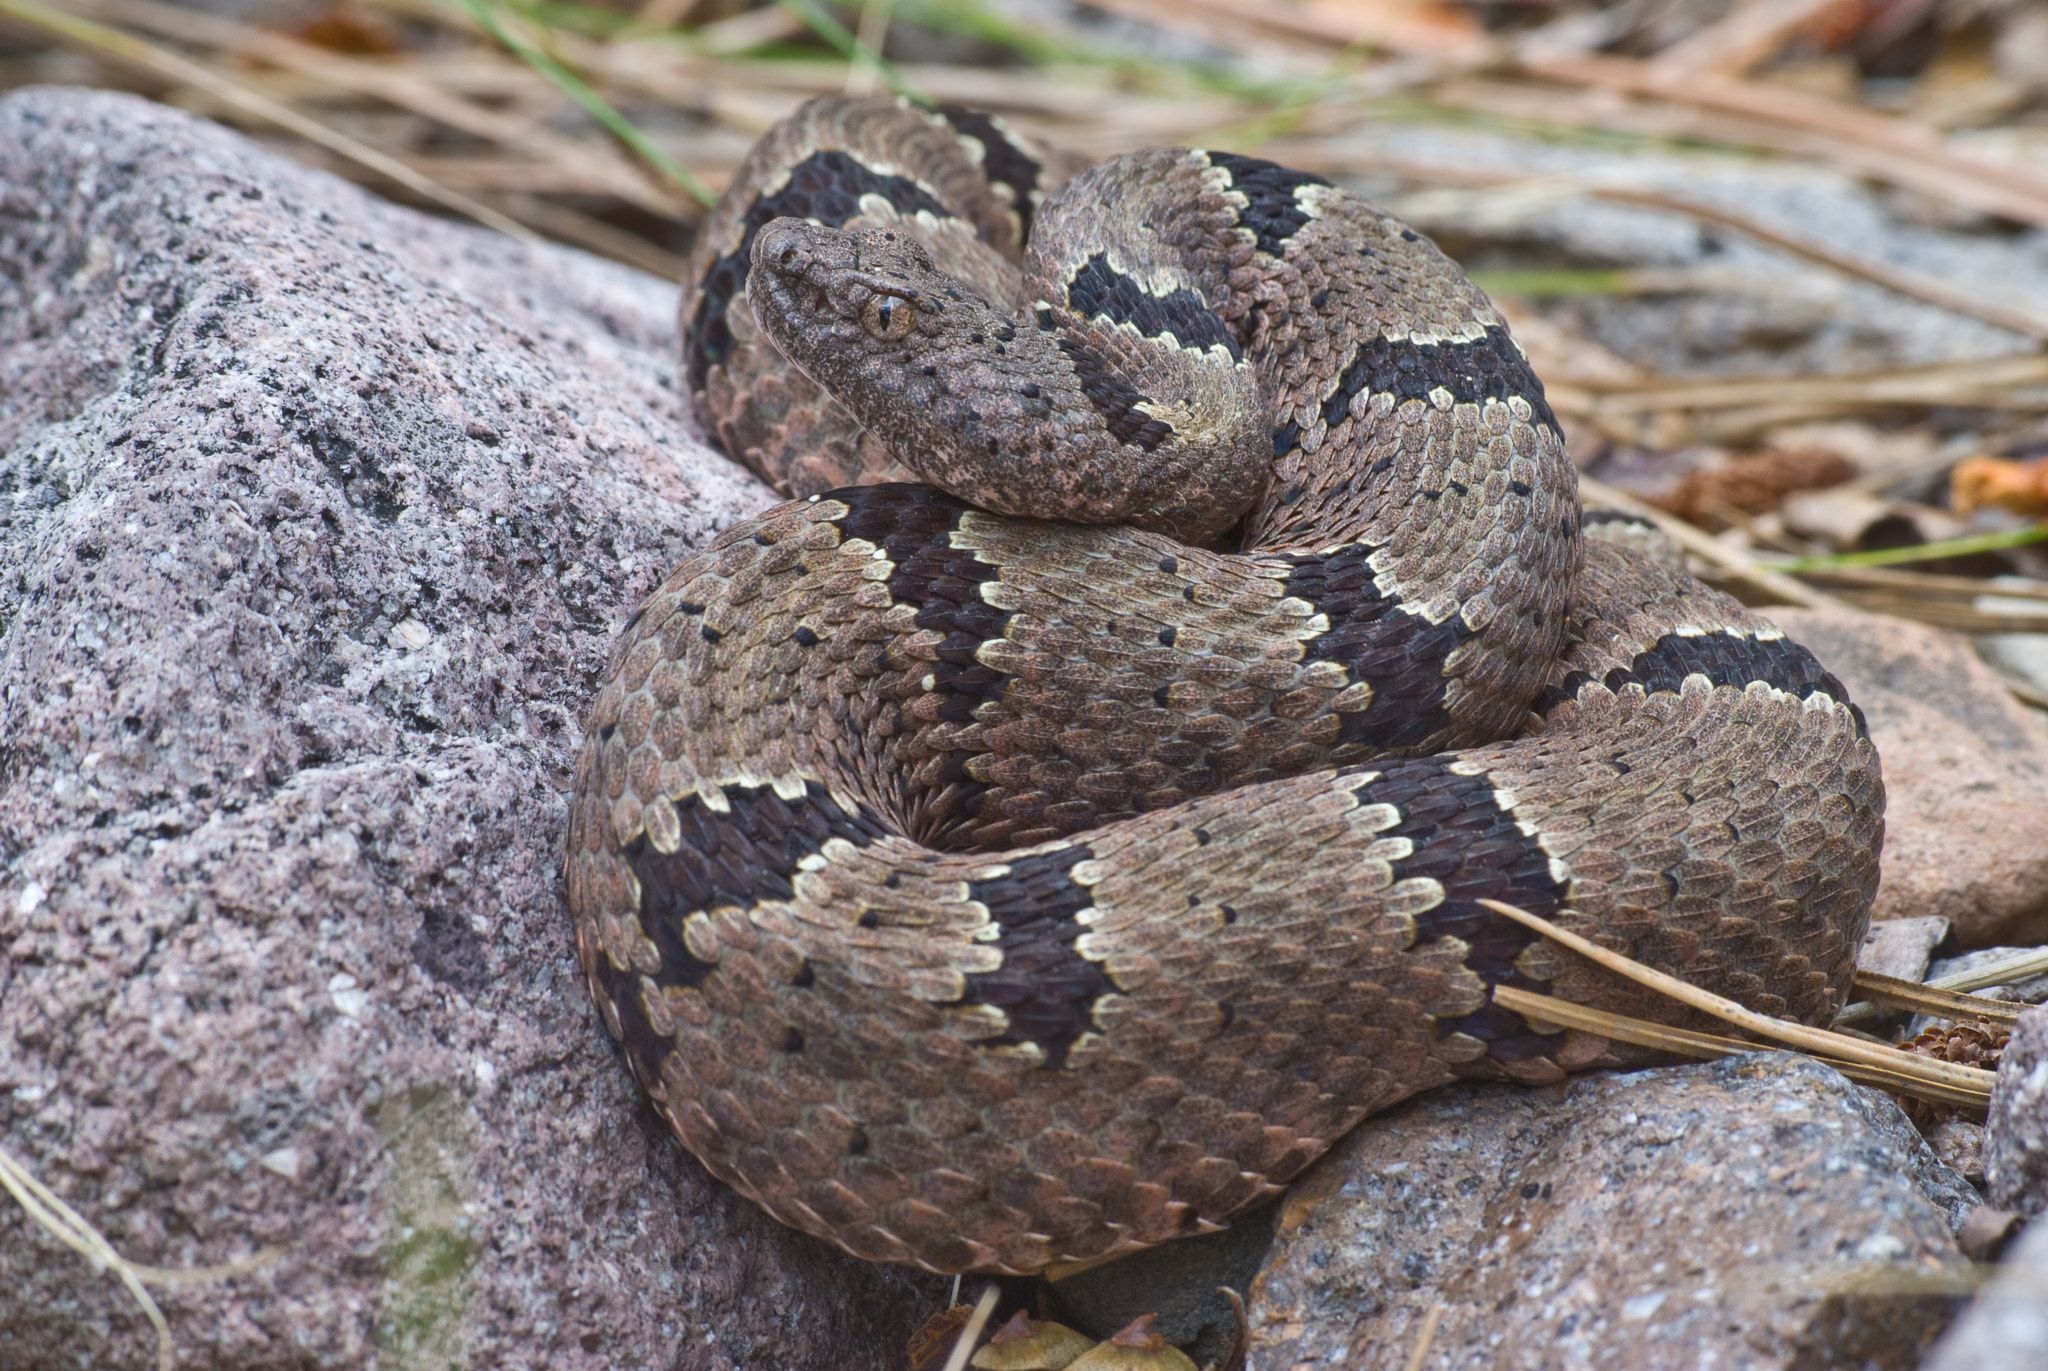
x=819 y=292
x=1003 y=411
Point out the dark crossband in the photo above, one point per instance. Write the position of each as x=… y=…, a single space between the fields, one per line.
x=825 y=187
x=1115 y=399
x=1725 y=659
x=1375 y=640
x=1003 y=163
x=739 y=858
x=1046 y=988
x=1466 y=842
x=1100 y=291
x=1488 y=368
x=1275 y=212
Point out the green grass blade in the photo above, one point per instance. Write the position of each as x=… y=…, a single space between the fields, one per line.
x=1920 y=552
x=600 y=109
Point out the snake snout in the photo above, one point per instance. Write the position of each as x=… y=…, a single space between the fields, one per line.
x=799 y=250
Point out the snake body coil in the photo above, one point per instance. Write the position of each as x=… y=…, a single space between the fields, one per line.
x=984 y=892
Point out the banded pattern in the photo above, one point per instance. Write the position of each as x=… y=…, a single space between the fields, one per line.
x=981 y=892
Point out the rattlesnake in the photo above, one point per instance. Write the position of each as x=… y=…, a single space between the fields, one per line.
x=984 y=893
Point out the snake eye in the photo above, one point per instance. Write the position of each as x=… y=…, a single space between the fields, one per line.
x=888 y=317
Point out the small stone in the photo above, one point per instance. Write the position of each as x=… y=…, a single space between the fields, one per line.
x=1960 y=1145
x=1900 y=948
x=347 y=998
x=1987 y=1231
x=409 y=635
x=284 y=1161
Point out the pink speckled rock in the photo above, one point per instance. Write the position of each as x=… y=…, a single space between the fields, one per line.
x=1758 y=1212
x=1965 y=774
x=316 y=519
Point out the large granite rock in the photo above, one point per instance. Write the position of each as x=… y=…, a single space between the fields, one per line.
x=316 y=519
x=1965 y=774
x=2016 y=1134
x=1757 y=1212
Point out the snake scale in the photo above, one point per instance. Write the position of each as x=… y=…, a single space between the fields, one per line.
x=984 y=891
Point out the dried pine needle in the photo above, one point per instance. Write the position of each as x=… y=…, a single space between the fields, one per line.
x=1894 y=993
x=963 y=1347
x=1708 y=1047
x=1831 y=1047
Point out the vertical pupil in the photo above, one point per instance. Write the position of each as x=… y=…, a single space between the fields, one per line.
x=885 y=314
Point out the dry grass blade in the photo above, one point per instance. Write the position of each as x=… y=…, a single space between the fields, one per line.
x=1909 y=283
x=63 y=1222
x=396 y=85
x=963 y=1346
x=1923 y=584
x=509 y=33
x=1894 y=993
x=49 y=1212
x=1946 y=614
x=1903 y=1079
x=1816 y=1041
x=1399 y=27
x=1424 y=1338
x=1748 y=34
x=1737 y=564
x=2026 y=692
x=134 y=52
x=1903 y=153
x=586 y=231
x=1980 y=382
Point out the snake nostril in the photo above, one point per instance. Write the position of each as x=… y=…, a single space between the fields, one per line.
x=788 y=255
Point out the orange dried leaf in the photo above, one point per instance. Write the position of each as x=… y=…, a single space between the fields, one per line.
x=1981 y=482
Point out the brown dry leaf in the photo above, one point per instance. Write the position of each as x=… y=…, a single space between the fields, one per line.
x=930 y=1344
x=1981 y=482
x=357 y=33
x=1754 y=482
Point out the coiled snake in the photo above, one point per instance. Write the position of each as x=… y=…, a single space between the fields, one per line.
x=982 y=892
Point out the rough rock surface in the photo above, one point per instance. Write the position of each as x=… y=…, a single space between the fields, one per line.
x=2016 y=1133
x=1965 y=773
x=1901 y=948
x=2006 y=1327
x=1756 y=1212
x=316 y=519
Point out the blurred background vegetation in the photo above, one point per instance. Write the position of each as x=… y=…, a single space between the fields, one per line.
x=1783 y=264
